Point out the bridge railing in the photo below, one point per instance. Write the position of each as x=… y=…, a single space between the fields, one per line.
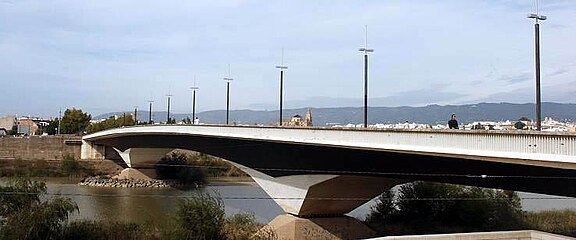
x=502 y=144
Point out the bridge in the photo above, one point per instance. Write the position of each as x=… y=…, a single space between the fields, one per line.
x=323 y=171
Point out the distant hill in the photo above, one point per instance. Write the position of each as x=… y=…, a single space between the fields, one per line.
x=429 y=114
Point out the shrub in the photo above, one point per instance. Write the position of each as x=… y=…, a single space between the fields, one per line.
x=244 y=226
x=203 y=217
x=24 y=216
x=175 y=166
x=69 y=165
x=423 y=207
x=98 y=230
x=199 y=217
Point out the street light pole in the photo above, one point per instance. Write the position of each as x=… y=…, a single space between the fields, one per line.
x=194 y=88
x=282 y=68
x=168 y=115
x=536 y=18
x=150 y=112
x=228 y=80
x=366 y=50
x=59 y=121
x=135 y=115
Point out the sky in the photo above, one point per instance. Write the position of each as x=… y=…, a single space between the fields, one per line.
x=111 y=55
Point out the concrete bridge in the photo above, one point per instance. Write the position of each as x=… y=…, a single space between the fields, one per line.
x=317 y=171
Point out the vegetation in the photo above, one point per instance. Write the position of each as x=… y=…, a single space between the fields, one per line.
x=427 y=208
x=74 y=121
x=214 y=167
x=424 y=207
x=555 y=221
x=111 y=122
x=194 y=168
x=24 y=215
x=175 y=166
x=52 y=128
x=100 y=230
x=202 y=217
x=68 y=167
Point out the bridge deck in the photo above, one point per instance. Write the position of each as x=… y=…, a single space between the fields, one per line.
x=521 y=147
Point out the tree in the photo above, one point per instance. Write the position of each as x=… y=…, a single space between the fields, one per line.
x=519 y=125
x=111 y=122
x=175 y=166
x=423 y=207
x=25 y=215
x=52 y=128
x=525 y=119
x=13 y=131
x=74 y=121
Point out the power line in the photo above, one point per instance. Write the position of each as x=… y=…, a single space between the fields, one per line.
x=276 y=198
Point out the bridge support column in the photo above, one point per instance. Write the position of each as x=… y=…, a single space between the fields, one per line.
x=143 y=159
x=90 y=150
x=321 y=195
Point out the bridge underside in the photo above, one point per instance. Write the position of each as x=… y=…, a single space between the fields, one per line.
x=283 y=161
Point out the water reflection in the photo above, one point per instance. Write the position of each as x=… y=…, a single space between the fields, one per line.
x=145 y=205
x=156 y=205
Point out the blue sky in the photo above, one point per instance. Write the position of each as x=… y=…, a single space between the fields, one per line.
x=111 y=55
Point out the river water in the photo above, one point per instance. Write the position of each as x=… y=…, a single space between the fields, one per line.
x=145 y=205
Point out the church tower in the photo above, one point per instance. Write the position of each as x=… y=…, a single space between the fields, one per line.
x=308 y=118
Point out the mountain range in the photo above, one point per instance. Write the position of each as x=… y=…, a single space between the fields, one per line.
x=431 y=114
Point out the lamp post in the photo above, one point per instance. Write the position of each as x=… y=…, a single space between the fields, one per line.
x=59 y=120
x=282 y=68
x=228 y=80
x=194 y=88
x=168 y=115
x=536 y=18
x=150 y=112
x=135 y=115
x=366 y=50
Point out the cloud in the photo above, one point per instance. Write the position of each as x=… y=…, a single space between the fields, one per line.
x=132 y=54
x=515 y=78
x=562 y=93
x=558 y=71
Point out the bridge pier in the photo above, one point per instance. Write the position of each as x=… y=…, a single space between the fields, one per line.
x=90 y=150
x=143 y=159
x=316 y=195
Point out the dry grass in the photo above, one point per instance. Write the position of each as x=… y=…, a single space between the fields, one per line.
x=554 y=221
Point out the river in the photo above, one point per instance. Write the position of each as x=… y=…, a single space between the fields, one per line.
x=145 y=205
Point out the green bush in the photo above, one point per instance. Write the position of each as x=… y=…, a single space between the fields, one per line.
x=25 y=216
x=70 y=166
x=175 y=166
x=203 y=217
x=200 y=217
x=423 y=207
x=98 y=230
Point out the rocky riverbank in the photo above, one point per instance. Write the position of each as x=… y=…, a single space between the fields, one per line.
x=106 y=181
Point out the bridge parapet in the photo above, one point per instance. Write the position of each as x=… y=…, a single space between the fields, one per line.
x=557 y=148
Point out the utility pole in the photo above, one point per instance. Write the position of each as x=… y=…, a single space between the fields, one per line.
x=537 y=17
x=366 y=50
x=282 y=68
